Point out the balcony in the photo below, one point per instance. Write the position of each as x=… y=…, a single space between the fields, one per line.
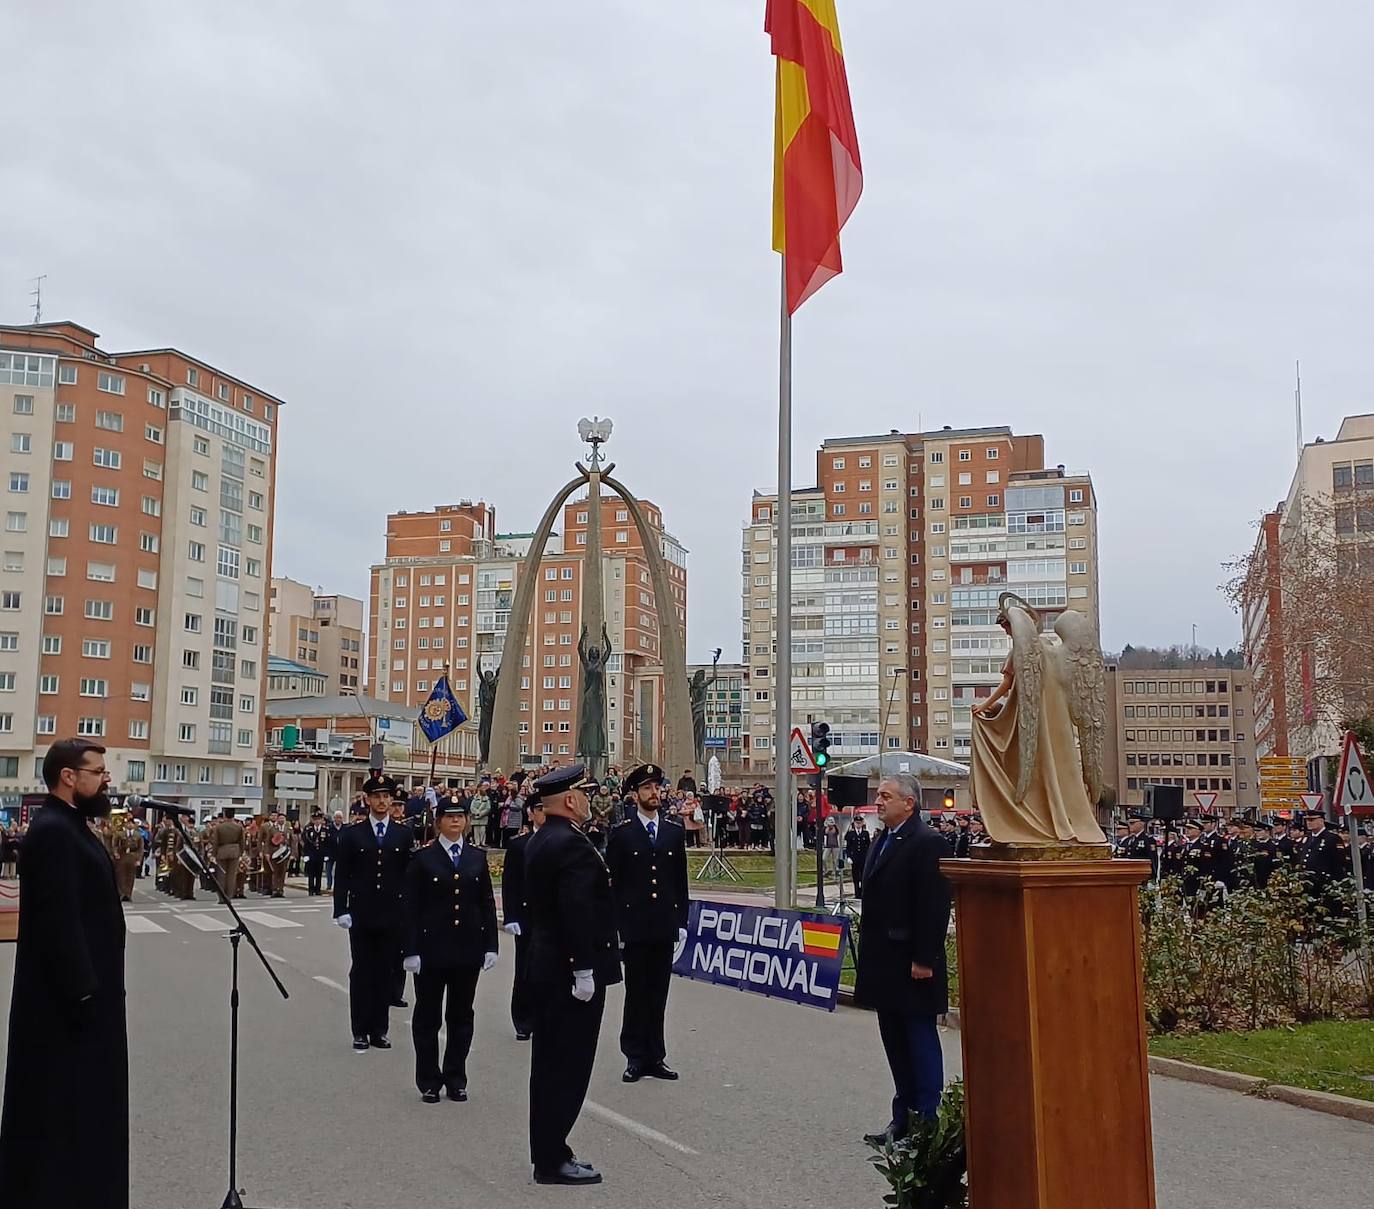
x=860 y=531
x=864 y=559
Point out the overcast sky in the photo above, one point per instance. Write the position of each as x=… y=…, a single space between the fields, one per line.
x=444 y=236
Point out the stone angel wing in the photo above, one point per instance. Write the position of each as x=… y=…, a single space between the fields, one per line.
x=1085 y=687
x=1027 y=661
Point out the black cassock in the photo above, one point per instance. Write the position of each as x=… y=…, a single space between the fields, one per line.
x=64 y=1135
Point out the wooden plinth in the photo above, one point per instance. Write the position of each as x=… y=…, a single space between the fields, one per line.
x=1052 y=1023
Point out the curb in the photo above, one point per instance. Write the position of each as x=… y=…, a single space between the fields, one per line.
x=1251 y=1085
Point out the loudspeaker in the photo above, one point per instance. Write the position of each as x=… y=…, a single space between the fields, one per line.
x=847 y=791
x=1164 y=801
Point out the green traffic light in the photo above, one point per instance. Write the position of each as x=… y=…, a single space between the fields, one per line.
x=822 y=759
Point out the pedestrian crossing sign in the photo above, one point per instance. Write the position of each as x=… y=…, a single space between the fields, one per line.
x=799 y=757
x=1354 y=794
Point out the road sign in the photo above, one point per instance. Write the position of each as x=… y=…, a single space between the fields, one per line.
x=1312 y=801
x=799 y=757
x=1205 y=801
x=1354 y=795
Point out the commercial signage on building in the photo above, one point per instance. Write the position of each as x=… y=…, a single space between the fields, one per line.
x=794 y=955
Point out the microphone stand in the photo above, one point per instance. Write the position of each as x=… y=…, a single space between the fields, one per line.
x=233 y=1199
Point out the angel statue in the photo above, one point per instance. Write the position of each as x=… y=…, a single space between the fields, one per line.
x=1031 y=783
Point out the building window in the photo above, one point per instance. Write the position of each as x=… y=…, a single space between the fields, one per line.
x=62 y=451
x=106 y=497
x=966 y=455
x=111 y=421
x=61 y=489
x=186 y=733
x=152 y=433
x=994 y=501
x=100 y=610
x=91 y=727
x=105 y=535
x=1076 y=496
x=108 y=459
x=19 y=483
x=111 y=384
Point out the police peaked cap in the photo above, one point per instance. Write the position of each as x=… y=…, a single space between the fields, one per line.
x=643 y=775
x=561 y=780
x=1143 y=815
x=379 y=784
x=451 y=806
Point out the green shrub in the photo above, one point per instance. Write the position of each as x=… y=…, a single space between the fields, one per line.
x=927 y=1169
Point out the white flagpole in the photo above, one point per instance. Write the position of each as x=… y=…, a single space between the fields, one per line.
x=784 y=804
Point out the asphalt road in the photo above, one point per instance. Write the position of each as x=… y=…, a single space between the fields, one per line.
x=769 y=1112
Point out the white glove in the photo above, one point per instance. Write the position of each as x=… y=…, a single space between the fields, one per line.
x=681 y=935
x=513 y=929
x=411 y=965
x=583 y=985
x=344 y=921
x=488 y=961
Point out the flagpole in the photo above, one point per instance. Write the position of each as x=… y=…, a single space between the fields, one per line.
x=784 y=805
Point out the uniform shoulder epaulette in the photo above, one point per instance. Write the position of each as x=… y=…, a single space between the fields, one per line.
x=623 y=823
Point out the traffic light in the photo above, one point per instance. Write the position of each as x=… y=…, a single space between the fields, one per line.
x=820 y=743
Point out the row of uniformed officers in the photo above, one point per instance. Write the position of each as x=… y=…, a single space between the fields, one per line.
x=577 y=918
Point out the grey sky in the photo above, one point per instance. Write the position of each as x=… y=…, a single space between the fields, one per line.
x=445 y=238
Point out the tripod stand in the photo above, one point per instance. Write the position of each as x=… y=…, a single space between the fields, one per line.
x=233 y=1199
x=716 y=865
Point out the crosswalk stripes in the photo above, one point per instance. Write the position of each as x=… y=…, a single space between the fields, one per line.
x=205 y=922
x=141 y=923
x=268 y=920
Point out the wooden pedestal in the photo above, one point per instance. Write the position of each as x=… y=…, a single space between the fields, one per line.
x=1052 y=1023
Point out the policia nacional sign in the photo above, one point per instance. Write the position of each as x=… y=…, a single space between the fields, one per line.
x=793 y=955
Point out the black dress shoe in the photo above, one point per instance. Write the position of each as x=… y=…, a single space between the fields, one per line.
x=633 y=1074
x=360 y=1044
x=380 y=1043
x=460 y=1094
x=522 y=1036
x=399 y=1003
x=878 y=1139
x=660 y=1070
x=568 y=1173
x=430 y=1096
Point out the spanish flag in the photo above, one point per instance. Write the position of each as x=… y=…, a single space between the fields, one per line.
x=821 y=940
x=816 y=174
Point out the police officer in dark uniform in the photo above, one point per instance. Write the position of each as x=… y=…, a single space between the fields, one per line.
x=1214 y=844
x=516 y=907
x=1139 y=844
x=1263 y=855
x=573 y=959
x=451 y=940
x=1171 y=856
x=1283 y=843
x=1323 y=861
x=1196 y=860
x=312 y=852
x=647 y=857
x=369 y=889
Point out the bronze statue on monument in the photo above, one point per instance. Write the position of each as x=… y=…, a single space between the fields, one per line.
x=697 y=689
x=591 y=717
x=486 y=707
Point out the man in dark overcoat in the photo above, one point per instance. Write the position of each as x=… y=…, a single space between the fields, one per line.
x=64 y=1133
x=901 y=966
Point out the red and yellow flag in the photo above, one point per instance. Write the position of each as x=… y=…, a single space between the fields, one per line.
x=816 y=174
x=821 y=940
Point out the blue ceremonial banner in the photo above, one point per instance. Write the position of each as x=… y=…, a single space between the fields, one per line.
x=793 y=955
x=441 y=713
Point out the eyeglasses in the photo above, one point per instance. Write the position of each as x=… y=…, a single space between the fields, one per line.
x=99 y=772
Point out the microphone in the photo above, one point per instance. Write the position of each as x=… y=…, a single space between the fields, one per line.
x=136 y=800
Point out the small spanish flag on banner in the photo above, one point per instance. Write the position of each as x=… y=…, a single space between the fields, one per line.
x=821 y=940
x=817 y=178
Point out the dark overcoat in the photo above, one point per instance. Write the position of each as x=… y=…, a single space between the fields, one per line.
x=64 y=1134
x=906 y=906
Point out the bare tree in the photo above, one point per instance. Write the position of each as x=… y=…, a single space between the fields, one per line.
x=1319 y=594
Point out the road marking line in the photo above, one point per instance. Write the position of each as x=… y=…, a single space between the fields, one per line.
x=206 y=923
x=269 y=921
x=634 y=1127
x=137 y=924
x=273 y=957
x=329 y=982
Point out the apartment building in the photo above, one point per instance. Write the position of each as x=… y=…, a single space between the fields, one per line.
x=1193 y=728
x=320 y=631
x=1340 y=471
x=900 y=551
x=138 y=536
x=442 y=598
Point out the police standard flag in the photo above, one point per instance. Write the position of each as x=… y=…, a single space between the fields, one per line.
x=441 y=713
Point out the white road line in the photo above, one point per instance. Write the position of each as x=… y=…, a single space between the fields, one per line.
x=273 y=957
x=136 y=924
x=634 y=1127
x=329 y=982
x=269 y=921
x=206 y=923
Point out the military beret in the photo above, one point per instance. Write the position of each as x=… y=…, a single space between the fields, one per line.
x=642 y=775
x=451 y=806
x=379 y=784
x=560 y=780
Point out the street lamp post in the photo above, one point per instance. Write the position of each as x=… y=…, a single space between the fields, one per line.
x=897 y=673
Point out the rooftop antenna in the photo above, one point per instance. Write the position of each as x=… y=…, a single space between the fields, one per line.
x=1297 y=402
x=37 y=295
